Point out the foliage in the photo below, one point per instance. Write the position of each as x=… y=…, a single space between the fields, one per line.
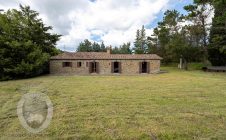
x=25 y=44
x=173 y=41
x=198 y=15
x=123 y=49
x=217 y=43
x=140 y=46
x=173 y=38
x=180 y=48
x=88 y=46
x=217 y=46
x=197 y=65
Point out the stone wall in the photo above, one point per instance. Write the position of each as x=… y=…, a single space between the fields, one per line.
x=128 y=67
x=154 y=66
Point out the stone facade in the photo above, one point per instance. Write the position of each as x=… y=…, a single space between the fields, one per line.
x=128 y=67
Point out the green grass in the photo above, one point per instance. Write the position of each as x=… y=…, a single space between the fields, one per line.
x=175 y=105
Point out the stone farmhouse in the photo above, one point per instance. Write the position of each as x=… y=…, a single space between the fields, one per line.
x=104 y=63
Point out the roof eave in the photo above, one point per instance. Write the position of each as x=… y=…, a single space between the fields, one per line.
x=106 y=59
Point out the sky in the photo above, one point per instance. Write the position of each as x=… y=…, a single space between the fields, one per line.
x=113 y=22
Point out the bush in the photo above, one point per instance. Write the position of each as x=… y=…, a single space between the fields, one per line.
x=197 y=66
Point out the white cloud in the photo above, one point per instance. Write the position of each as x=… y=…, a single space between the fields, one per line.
x=111 y=21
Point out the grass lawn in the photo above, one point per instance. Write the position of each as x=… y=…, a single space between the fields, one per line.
x=175 y=105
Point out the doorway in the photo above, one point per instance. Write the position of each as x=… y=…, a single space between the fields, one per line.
x=144 y=67
x=93 y=67
x=116 y=67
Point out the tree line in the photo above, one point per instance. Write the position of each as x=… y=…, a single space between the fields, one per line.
x=198 y=40
x=190 y=37
x=88 y=46
x=125 y=48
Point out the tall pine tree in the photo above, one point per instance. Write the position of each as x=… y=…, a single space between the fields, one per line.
x=217 y=47
x=140 y=46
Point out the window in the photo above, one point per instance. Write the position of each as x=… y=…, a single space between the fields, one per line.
x=79 y=64
x=67 y=64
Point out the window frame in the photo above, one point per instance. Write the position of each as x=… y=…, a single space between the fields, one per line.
x=66 y=64
x=93 y=67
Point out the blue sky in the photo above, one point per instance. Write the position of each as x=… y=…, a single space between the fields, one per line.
x=178 y=5
x=112 y=21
